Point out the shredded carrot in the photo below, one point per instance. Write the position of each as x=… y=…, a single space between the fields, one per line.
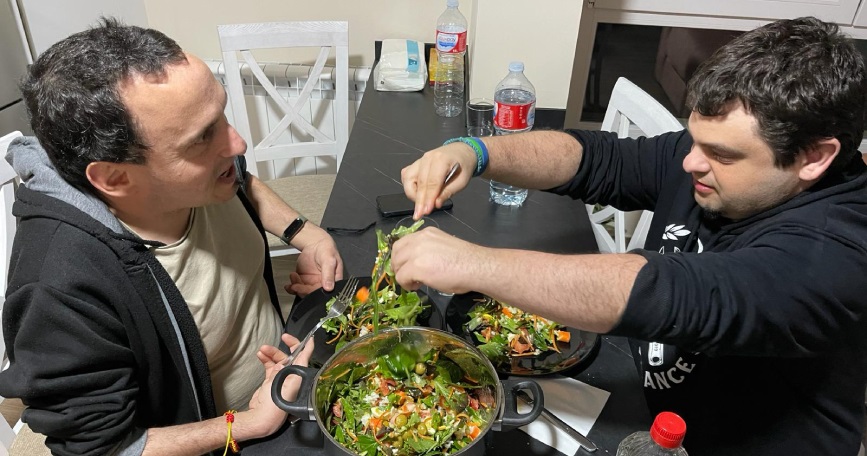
x=375 y=423
x=506 y=312
x=379 y=281
x=339 y=332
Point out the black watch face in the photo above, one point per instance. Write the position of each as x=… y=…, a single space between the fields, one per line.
x=293 y=229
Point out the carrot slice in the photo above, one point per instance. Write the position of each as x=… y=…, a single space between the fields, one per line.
x=563 y=336
x=473 y=431
x=362 y=294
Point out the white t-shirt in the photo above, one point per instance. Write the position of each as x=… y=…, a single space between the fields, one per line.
x=218 y=267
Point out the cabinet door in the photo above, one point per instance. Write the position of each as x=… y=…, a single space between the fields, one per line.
x=839 y=11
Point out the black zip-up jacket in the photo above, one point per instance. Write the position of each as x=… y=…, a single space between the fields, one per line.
x=101 y=343
x=760 y=324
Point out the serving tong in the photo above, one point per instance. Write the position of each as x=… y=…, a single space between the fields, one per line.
x=582 y=440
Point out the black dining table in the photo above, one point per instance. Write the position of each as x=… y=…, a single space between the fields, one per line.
x=392 y=130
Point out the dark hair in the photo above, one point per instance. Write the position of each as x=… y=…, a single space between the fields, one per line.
x=72 y=95
x=802 y=79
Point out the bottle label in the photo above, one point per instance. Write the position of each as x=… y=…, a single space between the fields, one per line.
x=452 y=43
x=512 y=116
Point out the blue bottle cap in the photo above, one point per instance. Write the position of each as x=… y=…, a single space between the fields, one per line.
x=516 y=67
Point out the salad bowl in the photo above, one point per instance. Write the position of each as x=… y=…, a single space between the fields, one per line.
x=448 y=362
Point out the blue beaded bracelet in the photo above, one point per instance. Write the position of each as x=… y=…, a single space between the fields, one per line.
x=479 y=148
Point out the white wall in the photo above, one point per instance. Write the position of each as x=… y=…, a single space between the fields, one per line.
x=193 y=22
x=541 y=34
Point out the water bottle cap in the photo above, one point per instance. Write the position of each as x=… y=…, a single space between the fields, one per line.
x=516 y=67
x=452 y=3
x=668 y=430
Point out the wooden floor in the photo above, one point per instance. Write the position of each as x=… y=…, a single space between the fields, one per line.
x=11 y=408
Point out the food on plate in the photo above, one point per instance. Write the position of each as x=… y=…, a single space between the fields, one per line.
x=383 y=305
x=407 y=403
x=505 y=332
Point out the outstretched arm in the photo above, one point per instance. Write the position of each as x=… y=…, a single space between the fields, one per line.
x=583 y=291
x=540 y=159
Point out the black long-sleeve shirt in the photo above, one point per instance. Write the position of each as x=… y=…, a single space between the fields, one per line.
x=760 y=325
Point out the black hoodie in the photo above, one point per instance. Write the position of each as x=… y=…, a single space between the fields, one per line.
x=760 y=325
x=101 y=343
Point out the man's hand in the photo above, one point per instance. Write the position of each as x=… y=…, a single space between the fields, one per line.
x=439 y=260
x=265 y=416
x=423 y=180
x=319 y=265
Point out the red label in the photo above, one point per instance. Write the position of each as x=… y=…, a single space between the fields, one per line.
x=512 y=117
x=451 y=43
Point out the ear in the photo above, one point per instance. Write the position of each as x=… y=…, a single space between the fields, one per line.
x=816 y=159
x=111 y=179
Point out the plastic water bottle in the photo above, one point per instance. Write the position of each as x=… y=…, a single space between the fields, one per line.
x=664 y=439
x=514 y=112
x=451 y=44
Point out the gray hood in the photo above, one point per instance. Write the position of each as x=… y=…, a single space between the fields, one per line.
x=32 y=165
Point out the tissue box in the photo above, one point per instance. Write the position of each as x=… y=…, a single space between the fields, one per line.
x=401 y=66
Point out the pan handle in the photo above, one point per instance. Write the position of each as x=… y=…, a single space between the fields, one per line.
x=300 y=407
x=511 y=418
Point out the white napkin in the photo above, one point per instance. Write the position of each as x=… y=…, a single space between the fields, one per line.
x=574 y=402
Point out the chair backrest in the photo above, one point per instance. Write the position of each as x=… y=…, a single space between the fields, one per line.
x=629 y=105
x=7 y=234
x=304 y=139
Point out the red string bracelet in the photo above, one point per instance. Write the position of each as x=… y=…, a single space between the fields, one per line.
x=230 y=442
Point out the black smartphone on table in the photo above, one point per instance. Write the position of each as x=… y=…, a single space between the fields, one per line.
x=397 y=204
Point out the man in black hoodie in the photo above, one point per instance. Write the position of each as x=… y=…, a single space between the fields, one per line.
x=751 y=282
x=140 y=304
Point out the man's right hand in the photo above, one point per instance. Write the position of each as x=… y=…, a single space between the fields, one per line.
x=423 y=181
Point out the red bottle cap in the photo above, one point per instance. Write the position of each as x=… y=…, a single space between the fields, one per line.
x=668 y=430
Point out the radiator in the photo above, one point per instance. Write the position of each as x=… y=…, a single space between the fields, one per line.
x=289 y=79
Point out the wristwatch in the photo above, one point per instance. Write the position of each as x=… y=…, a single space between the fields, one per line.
x=293 y=229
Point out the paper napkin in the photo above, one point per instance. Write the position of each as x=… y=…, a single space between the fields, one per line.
x=574 y=402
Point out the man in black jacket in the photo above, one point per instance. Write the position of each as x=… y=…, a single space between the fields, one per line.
x=751 y=285
x=140 y=303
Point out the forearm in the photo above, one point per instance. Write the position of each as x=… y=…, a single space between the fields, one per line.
x=583 y=291
x=539 y=159
x=198 y=438
x=276 y=214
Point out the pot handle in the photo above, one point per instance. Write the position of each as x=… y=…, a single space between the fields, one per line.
x=300 y=407
x=511 y=418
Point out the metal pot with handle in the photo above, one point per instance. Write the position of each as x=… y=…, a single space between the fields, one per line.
x=359 y=359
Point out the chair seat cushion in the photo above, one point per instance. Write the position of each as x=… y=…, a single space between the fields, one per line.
x=306 y=194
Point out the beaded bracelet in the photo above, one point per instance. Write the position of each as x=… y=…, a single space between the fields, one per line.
x=230 y=442
x=479 y=148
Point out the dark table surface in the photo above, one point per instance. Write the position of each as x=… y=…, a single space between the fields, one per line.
x=391 y=131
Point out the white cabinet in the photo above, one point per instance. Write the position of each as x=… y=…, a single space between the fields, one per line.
x=839 y=11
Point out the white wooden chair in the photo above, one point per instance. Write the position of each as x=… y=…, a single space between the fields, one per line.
x=629 y=106
x=281 y=145
x=7 y=234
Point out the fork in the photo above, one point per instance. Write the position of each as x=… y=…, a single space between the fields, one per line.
x=337 y=309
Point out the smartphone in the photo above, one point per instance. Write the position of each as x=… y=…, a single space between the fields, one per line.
x=397 y=204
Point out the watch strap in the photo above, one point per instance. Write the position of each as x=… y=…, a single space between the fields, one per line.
x=293 y=229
